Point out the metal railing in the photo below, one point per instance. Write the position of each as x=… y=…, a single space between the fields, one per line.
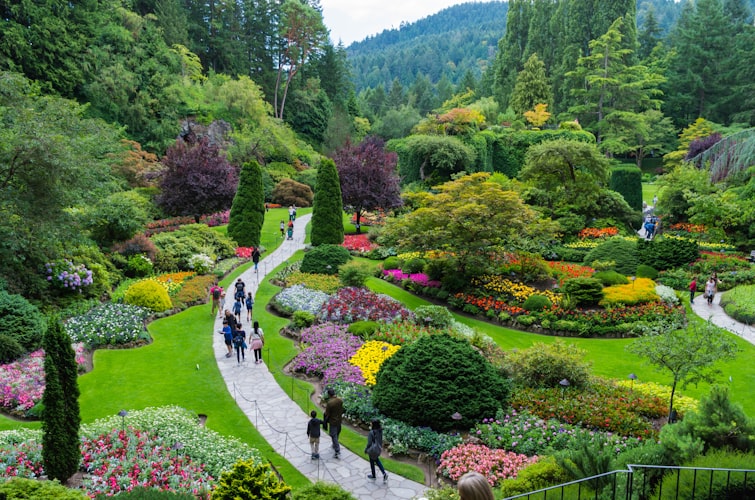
x=648 y=482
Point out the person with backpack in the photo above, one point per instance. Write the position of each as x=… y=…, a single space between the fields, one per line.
x=258 y=340
x=227 y=334
x=375 y=448
x=237 y=310
x=256 y=258
x=240 y=289
x=215 y=292
x=249 y=306
x=239 y=342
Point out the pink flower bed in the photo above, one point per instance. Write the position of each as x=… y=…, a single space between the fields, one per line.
x=352 y=304
x=216 y=219
x=244 y=252
x=358 y=243
x=420 y=278
x=495 y=465
x=328 y=350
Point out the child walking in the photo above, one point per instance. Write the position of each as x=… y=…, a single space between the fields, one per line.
x=237 y=310
x=313 y=431
x=249 y=306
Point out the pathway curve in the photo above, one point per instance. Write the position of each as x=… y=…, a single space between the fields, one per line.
x=280 y=421
x=716 y=314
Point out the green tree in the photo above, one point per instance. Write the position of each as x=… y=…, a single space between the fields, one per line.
x=689 y=354
x=649 y=36
x=397 y=123
x=310 y=111
x=531 y=87
x=639 y=133
x=430 y=158
x=510 y=56
x=327 y=211
x=60 y=418
x=248 y=208
x=396 y=96
x=118 y=217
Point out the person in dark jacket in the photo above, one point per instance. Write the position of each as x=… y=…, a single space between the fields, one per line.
x=333 y=416
x=374 y=448
x=313 y=431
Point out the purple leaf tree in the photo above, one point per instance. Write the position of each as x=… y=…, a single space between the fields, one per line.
x=369 y=179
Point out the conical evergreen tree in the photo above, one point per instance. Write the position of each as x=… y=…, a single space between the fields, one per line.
x=60 y=418
x=248 y=209
x=327 y=212
x=531 y=87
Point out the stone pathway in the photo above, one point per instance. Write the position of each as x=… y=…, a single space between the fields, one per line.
x=280 y=421
x=716 y=314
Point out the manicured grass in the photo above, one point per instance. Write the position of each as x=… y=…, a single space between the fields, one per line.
x=609 y=356
x=649 y=191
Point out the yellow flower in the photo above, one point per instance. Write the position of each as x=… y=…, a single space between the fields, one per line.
x=371 y=356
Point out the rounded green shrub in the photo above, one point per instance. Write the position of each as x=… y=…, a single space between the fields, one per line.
x=363 y=329
x=536 y=302
x=353 y=274
x=248 y=479
x=437 y=316
x=439 y=382
x=21 y=320
x=149 y=294
x=583 y=291
x=413 y=266
x=10 y=349
x=392 y=263
x=139 y=266
x=645 y=271
x=324 y=259
x=541 y=474
x=619 y=250
x=546 y=365
x=19 y=487
x=302 y=319
x=610 y=278
x=323 y=491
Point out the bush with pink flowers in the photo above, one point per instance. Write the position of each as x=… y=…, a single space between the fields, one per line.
x=495 y=465
x=420 y=279
x=352 y=304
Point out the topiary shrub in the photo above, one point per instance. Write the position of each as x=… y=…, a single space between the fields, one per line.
x=583 y=291
x=363 y=329
x=10 y=349
x=413 y=266
x=436 y=316
x=353 y=274
x=541 y=474
x=439 y=382
x=324 y=259
x=392 y=263
x=149 y=294
x=645 y=271
x=667 y=253
x=21 y=321
x=619 y=250
x=35 y=489
x=627 y=181
x=537 y=303
x=609 y=278
x=323 y=491
x=327 y=211
x=248 y=479
x=546 y=365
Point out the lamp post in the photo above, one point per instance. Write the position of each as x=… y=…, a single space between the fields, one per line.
x=564 y=384
x=123 y=414
x=632 y=377
x=633 y=278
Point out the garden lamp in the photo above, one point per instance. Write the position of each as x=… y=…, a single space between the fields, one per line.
x=123 y=414
x=564 y=384
x=632 y=377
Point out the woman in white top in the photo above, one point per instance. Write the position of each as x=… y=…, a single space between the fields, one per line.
x=257 y=338
x=710 y=289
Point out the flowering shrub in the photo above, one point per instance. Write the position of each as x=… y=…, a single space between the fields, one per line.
x=167 y=225
x=172 y=282
x=596 y=232
x=495 y=465
x=419 y=278
x=329 y=347
x=488 y=303
x=201 y=263
x=510 y=290
x=687 y=227
x=376 y=218
x=592 y=243
x=244 y=252
x=327 y=283
x=66 y=275
x=216 y=219
x=23 y=382
x=108 y=324
x=370 y=357
x=682 y=404
x=353 y=304
x=566 y=270
x=524 y=433
x=301 y=298
x=641 y=291
x=358 y=243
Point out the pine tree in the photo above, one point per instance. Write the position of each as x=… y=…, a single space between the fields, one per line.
x=248 y=209
x=531 y=87
x=327 y=212
x=650 y=35
x=60 y=419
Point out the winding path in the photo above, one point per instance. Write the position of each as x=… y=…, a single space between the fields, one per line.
x=281 y=422
x=716 y=315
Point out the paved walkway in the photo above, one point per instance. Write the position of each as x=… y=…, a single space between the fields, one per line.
x=716 y=314
x=280 y=421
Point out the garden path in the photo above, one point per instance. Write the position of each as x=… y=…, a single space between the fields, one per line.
x=281 y=421
x=716 y=314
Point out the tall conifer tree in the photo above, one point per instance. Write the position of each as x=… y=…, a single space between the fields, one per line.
x=532 y=87
x=327 y=212
x=248 y=209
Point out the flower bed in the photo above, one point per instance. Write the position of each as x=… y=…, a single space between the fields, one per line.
x=567 y=270
x=216 y=219
x=401 y=332
x=108 y=324
x=495 y=465
x=598 y=232
x=420 y=279
x=354 y=304
x=370 y=357
x=329 y=347
x=300 y=298
x=167 y=225
x=511 y=290
x=359 y=243
x=327 y=283
x=682 y=404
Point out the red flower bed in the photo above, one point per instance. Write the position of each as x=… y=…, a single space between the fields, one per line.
x=358 y=243
x=598 y=232
x=488 y=303
x=687 y=227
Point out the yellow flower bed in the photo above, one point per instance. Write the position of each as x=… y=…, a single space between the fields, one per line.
x=682 y=404
x=704 y=245
x=641 y=291
x=519 y=291
x=172 y=281
x=327 y=283
x=431 y=254
x=371 y=356
x=594 y=243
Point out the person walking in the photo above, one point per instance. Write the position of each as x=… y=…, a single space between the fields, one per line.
x=692 y=289
x=239 y=342
x=221 y=303
x=240 y=287
x=257 y=338
x=313 y=432
x=474 y=486
x=283 y=229
x=215 y=293
x=291 y=213
x=227 y=334
x=237 y=310
x=249 y=306
x=256 y=258
x=333 y=417
x=374 y=448
x=710 y=290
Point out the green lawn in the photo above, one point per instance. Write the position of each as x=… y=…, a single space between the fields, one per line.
x=649 y=190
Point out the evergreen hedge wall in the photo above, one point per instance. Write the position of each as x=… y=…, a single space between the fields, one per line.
x=627 y=181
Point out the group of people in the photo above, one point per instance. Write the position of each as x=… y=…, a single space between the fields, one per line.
x=233 y=332
x=711 y=288
x=652 y=224
x=287 y=230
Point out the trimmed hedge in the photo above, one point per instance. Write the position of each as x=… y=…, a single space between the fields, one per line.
x=324 y=259
x=667 y=253
x=627 y=181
